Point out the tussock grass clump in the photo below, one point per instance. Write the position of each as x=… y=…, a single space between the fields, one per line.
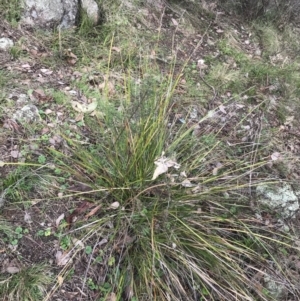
x=11 y=10
x=188 y=234
x=28 y=284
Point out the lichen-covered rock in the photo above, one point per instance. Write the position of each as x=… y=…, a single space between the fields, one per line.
x=280 y=197
x=27 y=114
x=276 y=290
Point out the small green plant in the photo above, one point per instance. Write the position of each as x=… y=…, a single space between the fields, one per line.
x=15 y=236
x=91 y=284
x=65 y=242
x=230 y=50
x=59 y=97
x=105 y=288
x=46 y=232
x=42 y=159
x=111 y=261
x=88 y=250
x=224 y=78
x=15 y=52
x=6 y=230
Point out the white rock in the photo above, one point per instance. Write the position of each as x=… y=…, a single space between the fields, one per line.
x=6 y=43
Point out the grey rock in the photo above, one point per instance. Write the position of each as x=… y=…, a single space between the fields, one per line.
x=49 y=14
x=280 y=198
